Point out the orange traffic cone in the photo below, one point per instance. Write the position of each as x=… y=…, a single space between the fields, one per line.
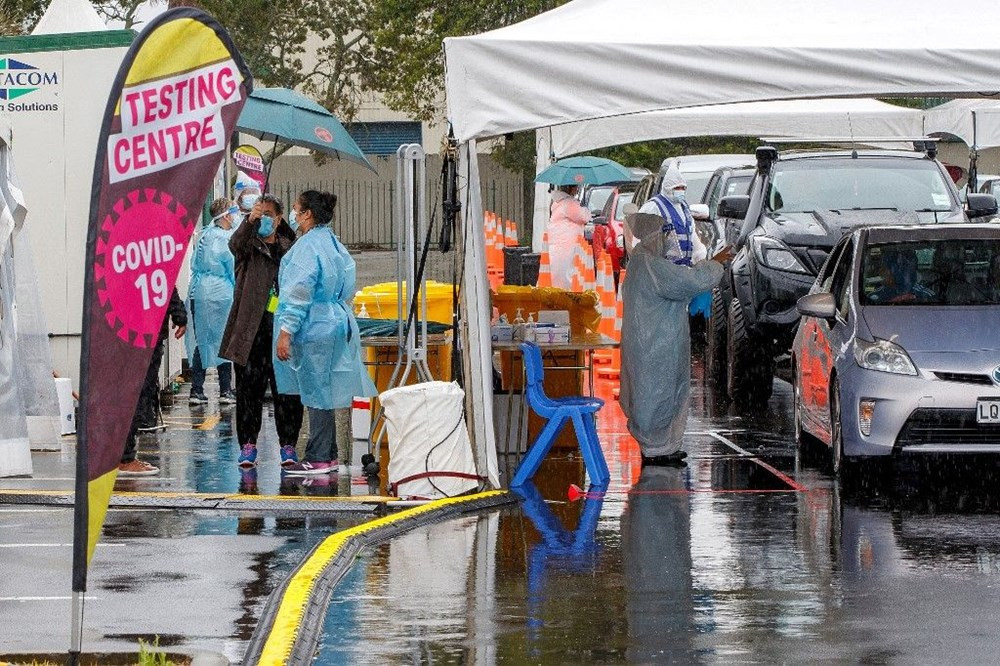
x=512 y=238
x=498 y=245
x=614 y=372
x=544 y=267
x=606 y=289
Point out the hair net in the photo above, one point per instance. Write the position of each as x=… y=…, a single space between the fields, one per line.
x=672 y=178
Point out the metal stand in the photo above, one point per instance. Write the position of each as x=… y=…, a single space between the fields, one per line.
x=411 y=229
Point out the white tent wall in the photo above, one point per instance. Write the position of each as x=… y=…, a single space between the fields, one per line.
x=599 y=58
x=477 y=358
x=15 y=449
x=783 y=118
x=55 y=138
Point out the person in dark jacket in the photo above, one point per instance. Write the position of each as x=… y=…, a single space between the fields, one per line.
x=258 y=246
x=148 y=407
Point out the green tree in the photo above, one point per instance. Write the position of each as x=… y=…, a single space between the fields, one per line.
x=406 y=61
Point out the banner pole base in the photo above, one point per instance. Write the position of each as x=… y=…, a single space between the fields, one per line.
x=76 y=628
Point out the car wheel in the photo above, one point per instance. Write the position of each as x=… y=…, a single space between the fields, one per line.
x=751 y=366
x=836 y=430
x=715 y=354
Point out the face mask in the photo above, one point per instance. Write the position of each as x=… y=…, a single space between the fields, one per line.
x=293 y=221
x=248 y=200
x=266 y=227
x=678 y=195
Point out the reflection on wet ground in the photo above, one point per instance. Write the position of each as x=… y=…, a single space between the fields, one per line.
x=196 y=579
x=749 y=553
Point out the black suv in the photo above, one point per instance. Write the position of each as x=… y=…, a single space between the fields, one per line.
x=800 y=204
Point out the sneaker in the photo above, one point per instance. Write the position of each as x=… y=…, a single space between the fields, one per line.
x=248 y=456
x=137 y=468
x=312 y=467
x=152 y=428
x=198 y=399
x=227 y=398
x=288 y=456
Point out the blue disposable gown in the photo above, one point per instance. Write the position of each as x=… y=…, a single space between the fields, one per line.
x=656 y=345
x=315 y=278
x=210 y=294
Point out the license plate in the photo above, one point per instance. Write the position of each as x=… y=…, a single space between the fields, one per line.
x=988 y=411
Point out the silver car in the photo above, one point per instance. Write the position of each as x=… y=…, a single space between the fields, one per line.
x=898 y=349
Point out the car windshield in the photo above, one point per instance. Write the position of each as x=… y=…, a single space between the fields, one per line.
x=934 y=272
x=806 y=185
x=597 y=197
x=623 y=199
x=737 y=185
x=696 y=182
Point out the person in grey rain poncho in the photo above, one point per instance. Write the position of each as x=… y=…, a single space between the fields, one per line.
x=656 y=345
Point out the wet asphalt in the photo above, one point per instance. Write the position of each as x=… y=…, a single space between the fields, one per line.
x=752 y=552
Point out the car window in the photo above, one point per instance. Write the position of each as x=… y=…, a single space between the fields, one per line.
x=962 y=271
x=710 y=190
x=696 y=184
x=841 y=278
x=624 y=198
x=805 y=185
x=596 y=197
x=606 y=209
x=826 y=273
x=712 y=195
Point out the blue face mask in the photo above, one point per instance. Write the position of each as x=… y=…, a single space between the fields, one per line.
x=679 y=195
x=266 y=227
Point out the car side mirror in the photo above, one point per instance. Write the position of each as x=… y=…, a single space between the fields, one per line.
x=734 y=206
x=981 y=205
x=699 y=211
x=820 y=306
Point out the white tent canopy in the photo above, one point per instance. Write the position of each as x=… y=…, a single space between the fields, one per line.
x=974 y=121
x=599 y=58
x=65 y=16
x=791 y=119
x=788 y=119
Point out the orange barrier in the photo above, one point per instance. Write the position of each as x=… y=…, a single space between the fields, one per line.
x=606 y=289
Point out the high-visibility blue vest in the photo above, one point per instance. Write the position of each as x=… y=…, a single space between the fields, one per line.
x=682 y=224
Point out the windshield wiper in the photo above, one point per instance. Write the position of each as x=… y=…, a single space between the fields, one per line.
x=841 y=210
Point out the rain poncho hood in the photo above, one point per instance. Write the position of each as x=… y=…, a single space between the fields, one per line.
x=656 y=344
x=314 y=281
x=672 y=179
x=210 y=294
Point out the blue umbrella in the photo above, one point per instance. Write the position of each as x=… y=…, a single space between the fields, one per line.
x=584 y=170
x=280 y=114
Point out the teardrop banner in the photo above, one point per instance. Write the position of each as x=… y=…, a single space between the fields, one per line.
x=173 y=105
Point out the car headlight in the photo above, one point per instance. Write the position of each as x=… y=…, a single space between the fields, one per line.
x=883 y=356
x=775 y=254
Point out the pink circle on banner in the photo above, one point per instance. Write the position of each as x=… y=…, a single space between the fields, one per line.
x=324 y=135
x=139 y=255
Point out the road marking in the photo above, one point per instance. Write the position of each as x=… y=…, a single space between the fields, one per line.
x=23 y=599
x=795 y=485
x=209 y=423
x=56 y=545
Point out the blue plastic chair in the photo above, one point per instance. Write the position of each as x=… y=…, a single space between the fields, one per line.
x=580 y=410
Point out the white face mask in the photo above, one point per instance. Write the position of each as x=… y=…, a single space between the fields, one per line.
x=293 y=220
x=678 y=195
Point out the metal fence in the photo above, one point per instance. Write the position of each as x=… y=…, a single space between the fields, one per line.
x=363 y=218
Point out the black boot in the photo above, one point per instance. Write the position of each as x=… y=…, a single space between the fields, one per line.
x=671 y=459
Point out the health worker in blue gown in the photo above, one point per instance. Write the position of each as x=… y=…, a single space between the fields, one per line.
x=318 y=346
x=210 y=297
